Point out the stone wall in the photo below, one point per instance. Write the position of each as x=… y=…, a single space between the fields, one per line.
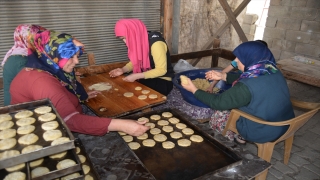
x=293 y=28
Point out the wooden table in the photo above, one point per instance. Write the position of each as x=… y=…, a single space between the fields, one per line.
x=112 y=103
x=299 y=71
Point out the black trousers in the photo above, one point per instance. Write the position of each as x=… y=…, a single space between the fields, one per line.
x=162 y=86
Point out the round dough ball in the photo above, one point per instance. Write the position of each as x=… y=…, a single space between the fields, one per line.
x=5 y=117
x=184 y=142
x=6 y=125
x=70 y=176
x=187 y=131
x=26 y=121
x=47 y=117
x=36 y=163
x=8 y=133
x=16 y=176
x=176 y=135
x=167 y=114
x=88 y=177
x=82 y=158
x=7 y=143
x=39 y=171
x=85 y=169
x=28 y=139
x=143 y=119
x=78 y=150
x=23 y=114
x=16 y=167
x=184 y=80
x=151 y=125
x=127 y=138
x=153 y=96
x=138 y=88
x=65 y=164
x=9 y=153
x=196 y=138
x=167 y=129
x=145 y=91
x=26 y=129
x=58 y=155
x=155 y=131
x=181 y=125
x=163 y=122
x=168 y=145
x=60 y=140
x=134 y=145
x=128 y=94
x=50 y=125
x=142 y=97
x=43 y=109
x=148 y=142
x=160 y=137
x=52 y=135
x=174 y=120
x=31 y=148
x=155 y=117
x=143 y=136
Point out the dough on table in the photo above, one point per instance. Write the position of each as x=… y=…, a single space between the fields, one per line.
x=78 y=150
x=143 y=119
x=176 y=135
x=50 y=125
x=148 y=142
x=181 y=125
x=31 y=148
x=23 y=114
x=65 y=164
x=167 y=114
x=5 y=117
x=155 y=117
x=25 y=121
x=60 y=140
x=196 y=138
x=134 y=145
x=187 y=131
x=127 y=138
x=26 y=129
x=184 y=142
x=70 y=176
x=7 y=143
x=128 y=94
x=145 y=91
x=52 y=135
x=100 y=87
x=85 y=169
x=142 y=97
x=16 y=176
x=160 y=137
x=28 y=139
x=143 y=136
x=164 y=97
x=6 y=125
x=151 y=125
x=168 y=145
x=82 y=158
x=138 y=88
x=8 y=133
x=122 y=133
x=184 y=80
x=43 y=109
x=174 y=120
x=47 y=117
x=167 y=129
x=153 y=96
x=155 y=131
x=163 y=122
x=39 y=171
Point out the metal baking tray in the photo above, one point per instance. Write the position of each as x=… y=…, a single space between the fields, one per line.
x=191 y=162
x=51 y=165
x=47 y=148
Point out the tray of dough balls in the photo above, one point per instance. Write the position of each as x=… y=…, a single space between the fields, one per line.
x=31 y=130
x=174 y=148
x=68 y=165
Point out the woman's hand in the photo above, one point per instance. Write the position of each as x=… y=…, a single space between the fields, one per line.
x=215 y=75
x=131 y=127
x=133 y=77
x=189 y=86
x=93 y=94
x=116 y=72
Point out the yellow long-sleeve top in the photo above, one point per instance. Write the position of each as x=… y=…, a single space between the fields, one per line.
x=159 y=54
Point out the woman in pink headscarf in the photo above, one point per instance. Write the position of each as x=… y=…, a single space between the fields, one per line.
x=149 y=56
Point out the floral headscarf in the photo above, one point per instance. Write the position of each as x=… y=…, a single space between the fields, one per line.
x=49 y=52
x=257 y=59
x=136 y=35
x=22 y=33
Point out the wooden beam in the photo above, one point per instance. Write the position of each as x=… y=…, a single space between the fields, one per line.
x=191 y=55
x=167 y=22
x=215 y=56
x=91 y=60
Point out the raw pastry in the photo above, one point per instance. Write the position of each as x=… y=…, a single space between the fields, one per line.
x=78 y=150
x=184 y=142
x=23 y=114
x=184 y=80
x=145 y=91
x=128 y=94
x=176 y=135
x=6 y=125
x=138 y=88
x=43 y=109
x=8 y=133
x=36 y=163
x=47 y=117
x=88 y=177
x=58 y=155
x=174 y=120
x=52 y=135
x=168 y=145
x=28 y=139
x=82 y=158
x=153 y=96
x=187 y=131
x=151 y=125
x=163 y=122
x=142 y=97
x=9 y=153
x=31 y=148
x=167 y=114
x=39 y=171
x=26 y=121
x=70 y=176
x=143 y=136
x=7 y=143
x=122 y=133
x=196 y=138
x=155 y=131
x=134 y=145
x=85 y=169
x=60 y=140
x=65 y=164
x=160 y=137
x=181 y=126
x=16 y=176
x=5 y=117
x=149 y=142
x=167 y=128
x=127 y=138
x=143 y=119
x=155 y=117
x=26 y=129
x=50 y=125
x=100 y=87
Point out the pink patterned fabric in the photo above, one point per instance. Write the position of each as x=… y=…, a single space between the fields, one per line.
x=218 y=122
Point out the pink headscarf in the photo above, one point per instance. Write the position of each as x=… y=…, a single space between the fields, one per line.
x=20 y=37
x=136 y=35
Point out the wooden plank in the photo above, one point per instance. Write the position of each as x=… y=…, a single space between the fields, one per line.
x=215 y=56
x=226 y=54
x=91 y=60
x=96 y=69
x=167 y=22
x=191 y=55
x=1 y=83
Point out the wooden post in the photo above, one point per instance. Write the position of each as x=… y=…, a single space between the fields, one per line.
x=167 y=22
x=215 y=56
x=91 y=60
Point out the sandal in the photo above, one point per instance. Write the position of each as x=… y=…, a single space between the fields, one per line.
x=239 y=139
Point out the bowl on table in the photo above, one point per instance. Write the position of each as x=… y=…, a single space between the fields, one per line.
x=194 y=74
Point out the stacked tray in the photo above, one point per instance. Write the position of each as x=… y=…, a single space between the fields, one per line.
x=183 y=161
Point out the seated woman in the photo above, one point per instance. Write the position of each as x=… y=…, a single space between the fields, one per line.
x=149 y=56
x=16 y=57
x=49 y=73
x=261 y=90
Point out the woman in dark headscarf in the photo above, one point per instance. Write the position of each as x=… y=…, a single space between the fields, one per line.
x=261 y=90
x=49 y=73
